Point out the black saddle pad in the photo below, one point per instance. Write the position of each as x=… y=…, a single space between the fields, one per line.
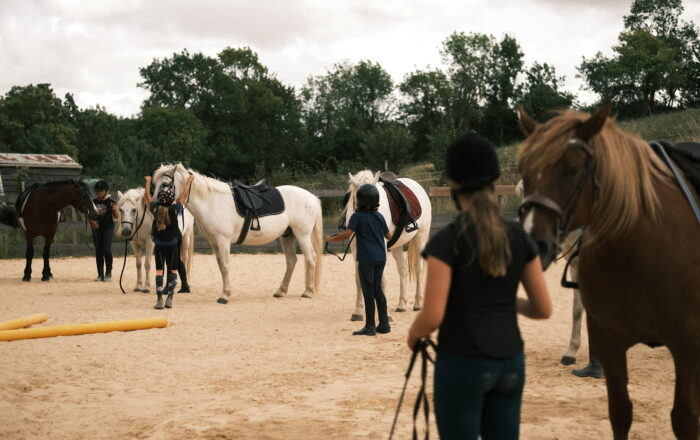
x=687 y=156
x=259 y=201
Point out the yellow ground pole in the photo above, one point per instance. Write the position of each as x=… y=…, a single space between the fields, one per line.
x=82 y=329
x=23 y=322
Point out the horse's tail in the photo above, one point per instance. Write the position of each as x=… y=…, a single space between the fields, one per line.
x=317 y=239
x=8 y=217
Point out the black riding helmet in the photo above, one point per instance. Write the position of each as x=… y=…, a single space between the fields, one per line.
x=367 y=197
x=472 y=162
x=101 y=185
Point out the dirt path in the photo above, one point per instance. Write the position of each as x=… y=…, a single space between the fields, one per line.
x=264 y=368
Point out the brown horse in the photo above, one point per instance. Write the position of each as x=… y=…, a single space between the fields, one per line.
x=639 y=267
x=38 y=210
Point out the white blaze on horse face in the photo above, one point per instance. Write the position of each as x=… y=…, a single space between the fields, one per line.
x=529 y=222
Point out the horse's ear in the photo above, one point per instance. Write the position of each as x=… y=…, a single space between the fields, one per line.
x=591 y=126
x=527 y=123
x=119 y=194
x=376 y=176
x=351 y=179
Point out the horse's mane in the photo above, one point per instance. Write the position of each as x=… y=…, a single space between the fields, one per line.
x=361 y=178
x=624 y=165
x=200 y=186
x=131 y=194
x=63 y=182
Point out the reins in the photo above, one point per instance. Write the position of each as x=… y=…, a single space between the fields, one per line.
x=422 y=397
x=126 y=243
x=346 y=249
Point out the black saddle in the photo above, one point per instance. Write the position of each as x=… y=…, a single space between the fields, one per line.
x=253 y=202
x=685 y=156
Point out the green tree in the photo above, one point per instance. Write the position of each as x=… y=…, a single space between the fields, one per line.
x=34 y=120
x=541 y=90
x=175 y=134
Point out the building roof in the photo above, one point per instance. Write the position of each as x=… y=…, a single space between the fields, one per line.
x=38 y=160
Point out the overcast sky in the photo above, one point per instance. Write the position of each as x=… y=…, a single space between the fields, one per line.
x=94 y=49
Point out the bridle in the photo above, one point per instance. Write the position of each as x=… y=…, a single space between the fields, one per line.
x=565 y=214
x=133 y=234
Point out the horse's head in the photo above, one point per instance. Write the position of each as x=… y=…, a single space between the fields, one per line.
x=170 y=174
x=82 y=201
x=130 y=214
x=356 y=181
x=557 y=164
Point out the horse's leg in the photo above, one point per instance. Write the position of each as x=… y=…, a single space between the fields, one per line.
x=307 y=249
x=149 y=253
x=359 y=302
x=290 y=255
x=222 y=249
x=46 y=272
x=415 y=258
x=686 y=401
x=28 y=255
x=402 y=266
x=575 y=341
x=613 y=356
x=139 y=275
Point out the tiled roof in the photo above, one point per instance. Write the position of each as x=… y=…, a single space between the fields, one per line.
x=38 y=160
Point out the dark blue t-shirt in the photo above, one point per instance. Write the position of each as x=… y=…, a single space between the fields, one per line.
x=171 y=234
x=369 y=228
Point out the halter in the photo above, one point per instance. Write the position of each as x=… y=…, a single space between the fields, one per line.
x=126 y=242
x=564 y=215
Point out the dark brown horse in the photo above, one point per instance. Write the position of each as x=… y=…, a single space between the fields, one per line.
x=639 y=267
x=38 y=210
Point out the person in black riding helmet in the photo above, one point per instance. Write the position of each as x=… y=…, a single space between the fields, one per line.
x=166 y=236
x=103 y=230
x=371 y=230
x=475 y=265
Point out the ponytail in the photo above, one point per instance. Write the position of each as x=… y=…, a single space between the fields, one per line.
x=162 y=217
x=492 y=245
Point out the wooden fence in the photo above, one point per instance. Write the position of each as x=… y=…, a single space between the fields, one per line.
x=73 y=238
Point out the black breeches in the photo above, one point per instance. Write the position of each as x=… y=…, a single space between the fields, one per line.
x=167 y=255
x=102 y=237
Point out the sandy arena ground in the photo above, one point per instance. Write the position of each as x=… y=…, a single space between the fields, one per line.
x=264 y=368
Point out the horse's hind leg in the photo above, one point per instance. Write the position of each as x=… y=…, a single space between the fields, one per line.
x=398 y=254
x=29 y=255
x=360 y=300
x=222 y=249
x=310 y=259
x=575 y=341
x=686 y=400
x=290 y=254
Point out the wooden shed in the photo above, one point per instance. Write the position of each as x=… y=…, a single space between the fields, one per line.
x=19 y=169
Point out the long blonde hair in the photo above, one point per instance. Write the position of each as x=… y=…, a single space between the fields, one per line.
x=492 y=244
x=162 y=217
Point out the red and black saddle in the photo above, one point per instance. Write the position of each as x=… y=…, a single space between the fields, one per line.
x=403 y=204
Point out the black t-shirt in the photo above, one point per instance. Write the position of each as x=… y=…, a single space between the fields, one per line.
x=171 y=234
x=481 y=316
x=104 y=210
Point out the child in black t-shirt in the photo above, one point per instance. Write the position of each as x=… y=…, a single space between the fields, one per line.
x=166 y=236
x=103 y=230
x=371 y=230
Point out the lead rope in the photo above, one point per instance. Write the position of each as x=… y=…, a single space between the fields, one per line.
x=126 y=246
x=422 y=397
x=344 y=253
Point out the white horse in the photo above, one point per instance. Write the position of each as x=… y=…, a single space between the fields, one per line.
x=212 y=204
x=136 y=222
x=416 y=239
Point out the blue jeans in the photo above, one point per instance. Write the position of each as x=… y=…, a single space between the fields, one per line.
x=475 y=396
x=371 y=273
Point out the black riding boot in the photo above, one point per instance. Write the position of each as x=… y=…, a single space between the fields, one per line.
x=383 y=326
x=369 y=329
x=159 y=291
x=172 y=283
x=182 y=272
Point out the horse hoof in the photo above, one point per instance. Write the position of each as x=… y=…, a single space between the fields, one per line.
x=145 y=290
x=400 y=309
x=222 y=301
x=568 y=360
x=416 y=309
x=278 y=295
x=26 y=279
x=45 y=278
x=356 y=317
x=588 y=371
x=305 y=295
